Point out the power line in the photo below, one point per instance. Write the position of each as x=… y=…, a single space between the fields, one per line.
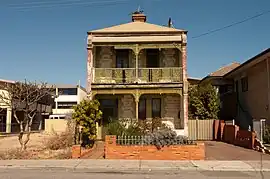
x=59 y=5
x=65 y=3
x=231 y=25
x=43 y=2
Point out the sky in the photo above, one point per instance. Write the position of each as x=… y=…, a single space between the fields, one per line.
x=46 y=39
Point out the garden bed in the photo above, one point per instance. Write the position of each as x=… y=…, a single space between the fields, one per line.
x=139 y=151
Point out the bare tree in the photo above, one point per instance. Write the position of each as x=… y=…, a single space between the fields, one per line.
x=26 y=97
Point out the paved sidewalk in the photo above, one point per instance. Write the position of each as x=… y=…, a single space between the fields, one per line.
x=133 y=165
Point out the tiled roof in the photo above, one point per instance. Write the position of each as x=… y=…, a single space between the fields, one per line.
x=225 y=69
x=133 y=27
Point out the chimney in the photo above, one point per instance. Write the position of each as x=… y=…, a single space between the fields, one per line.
x=138 y=17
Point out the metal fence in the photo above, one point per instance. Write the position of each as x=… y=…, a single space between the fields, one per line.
x=200 y=129
x=259 y=126
x=148 y=140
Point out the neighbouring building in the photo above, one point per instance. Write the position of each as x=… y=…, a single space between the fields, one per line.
x=8 y=123
x=224 y=89
x=5 y=111
x=252 y=89
x=66 y=96
x=138 y=70
x=194 y=81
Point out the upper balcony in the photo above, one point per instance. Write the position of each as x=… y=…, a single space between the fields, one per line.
x=154 y=66
x=145 y=75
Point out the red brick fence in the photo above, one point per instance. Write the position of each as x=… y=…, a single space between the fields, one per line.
x=150 y=152
x=233 y=135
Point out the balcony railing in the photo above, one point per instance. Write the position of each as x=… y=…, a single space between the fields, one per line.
x=145 y=75
x=114 y=75
x=160 y=75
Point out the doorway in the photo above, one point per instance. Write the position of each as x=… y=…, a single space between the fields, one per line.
x=122 y=61
x=109 y=108
x=152 y=61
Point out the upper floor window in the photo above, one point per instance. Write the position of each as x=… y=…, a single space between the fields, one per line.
x=225 y=89
x=152 y=58
x=122 y=58
x=244 y=84
x=67 y=91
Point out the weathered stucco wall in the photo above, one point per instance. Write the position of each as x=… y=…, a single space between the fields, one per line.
x=169 y=58
x=105 y=57
x=171 y=106
x=126 y=107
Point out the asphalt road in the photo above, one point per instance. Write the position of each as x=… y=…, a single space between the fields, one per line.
x=85 y=174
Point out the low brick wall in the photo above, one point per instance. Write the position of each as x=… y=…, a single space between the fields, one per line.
x=233 y=135
x=218 y=129
x=245 y=139
x=175 y=152
x=230 y=133
x=80 y=152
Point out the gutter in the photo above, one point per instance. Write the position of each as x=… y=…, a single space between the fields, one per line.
x=268 y=84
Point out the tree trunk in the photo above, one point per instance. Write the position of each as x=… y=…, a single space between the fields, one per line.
x=28 y=130
x=20 y=137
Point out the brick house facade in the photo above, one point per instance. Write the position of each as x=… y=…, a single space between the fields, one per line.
x=137 y=70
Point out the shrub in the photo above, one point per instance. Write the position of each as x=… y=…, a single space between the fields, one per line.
x=14 y=154
x=204 y=101
x=87 y=114
x=62 y=140
x=123 y=128
x=165 y=137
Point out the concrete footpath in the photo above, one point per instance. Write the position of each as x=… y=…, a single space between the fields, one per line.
x=137 y=165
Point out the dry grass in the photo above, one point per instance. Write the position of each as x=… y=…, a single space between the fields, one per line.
x=59 y=141
x=41 y=146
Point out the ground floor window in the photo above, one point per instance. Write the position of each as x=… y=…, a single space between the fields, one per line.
x=156 y=108
x=109 y=108
x=142 y=109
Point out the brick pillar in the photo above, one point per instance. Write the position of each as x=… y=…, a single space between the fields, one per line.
x=185 y=87
x=89 y=70
x=76 y=151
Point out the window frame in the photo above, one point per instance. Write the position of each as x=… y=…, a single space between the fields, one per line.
x=244 y=84
x=159 y=110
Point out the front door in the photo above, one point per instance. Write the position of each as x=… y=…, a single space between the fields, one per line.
x=142 y=109
x=109 y=108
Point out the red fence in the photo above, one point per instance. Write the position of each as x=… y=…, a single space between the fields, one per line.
x=233 y=135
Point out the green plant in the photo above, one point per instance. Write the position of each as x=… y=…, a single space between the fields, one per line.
x=87 y=114
x=123 y=127
x=115 y=128
x=203 y=101
x=165 y=137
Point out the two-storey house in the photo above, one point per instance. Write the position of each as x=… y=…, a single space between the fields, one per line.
x=138 y=70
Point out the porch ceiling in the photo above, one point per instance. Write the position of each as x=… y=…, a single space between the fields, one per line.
x=169 y=38
x=137 y=91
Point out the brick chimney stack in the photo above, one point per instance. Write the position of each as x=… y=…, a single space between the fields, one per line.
x=138 y=17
